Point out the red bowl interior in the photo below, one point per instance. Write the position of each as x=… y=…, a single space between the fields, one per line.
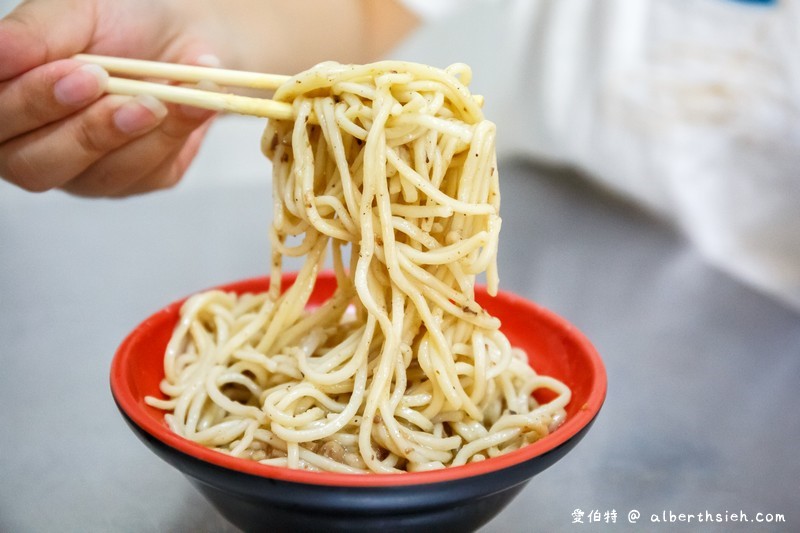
x=554 y=347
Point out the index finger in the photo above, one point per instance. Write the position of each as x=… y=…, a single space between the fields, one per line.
x=46 y=94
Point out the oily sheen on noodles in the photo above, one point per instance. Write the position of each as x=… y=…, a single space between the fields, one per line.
x=401 y=369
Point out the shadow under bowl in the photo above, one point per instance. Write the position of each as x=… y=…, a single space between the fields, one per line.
x=257 y=497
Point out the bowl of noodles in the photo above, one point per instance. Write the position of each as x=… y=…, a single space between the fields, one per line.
x=390 y=391
x=256 y=496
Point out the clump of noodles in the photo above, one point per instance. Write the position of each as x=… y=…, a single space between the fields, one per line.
x=401 y=369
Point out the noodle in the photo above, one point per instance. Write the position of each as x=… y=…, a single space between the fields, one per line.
x=401 y=369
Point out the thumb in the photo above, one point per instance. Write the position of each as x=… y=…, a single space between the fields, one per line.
x=41 y=31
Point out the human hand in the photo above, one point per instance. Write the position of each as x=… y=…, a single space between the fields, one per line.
x=58 y=129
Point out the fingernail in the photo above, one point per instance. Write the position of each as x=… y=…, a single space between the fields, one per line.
x=208 y=60
x=80 y=86
x=140 y=114
x=208 y=85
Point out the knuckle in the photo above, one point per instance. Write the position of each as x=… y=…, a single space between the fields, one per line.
x=166 y=179
x=22 y=171
x=38 y=111
x=170 y=180
x=90 y=138
x=93 y=182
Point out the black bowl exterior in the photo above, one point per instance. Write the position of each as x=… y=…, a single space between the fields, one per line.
x=261 y=504
x=255 y=515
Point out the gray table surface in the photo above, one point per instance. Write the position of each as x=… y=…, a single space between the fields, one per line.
x=701 y=413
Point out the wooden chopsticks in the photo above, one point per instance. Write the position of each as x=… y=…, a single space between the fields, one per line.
x=233 y=103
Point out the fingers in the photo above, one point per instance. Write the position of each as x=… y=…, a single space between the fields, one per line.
x=57 y=129
x=47 y=94
x=153 y=161
x=54 y=154
x=28 y=39
x=170 y=171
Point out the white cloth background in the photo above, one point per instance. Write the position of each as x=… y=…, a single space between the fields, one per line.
x=690 y=107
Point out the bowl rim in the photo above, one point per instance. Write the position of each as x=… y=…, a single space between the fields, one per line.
x=132 y=408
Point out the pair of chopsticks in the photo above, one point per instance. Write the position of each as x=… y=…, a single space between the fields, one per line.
x=215 y=101
x=233 y=103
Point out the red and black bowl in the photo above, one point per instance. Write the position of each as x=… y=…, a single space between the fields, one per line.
x=257 y=497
